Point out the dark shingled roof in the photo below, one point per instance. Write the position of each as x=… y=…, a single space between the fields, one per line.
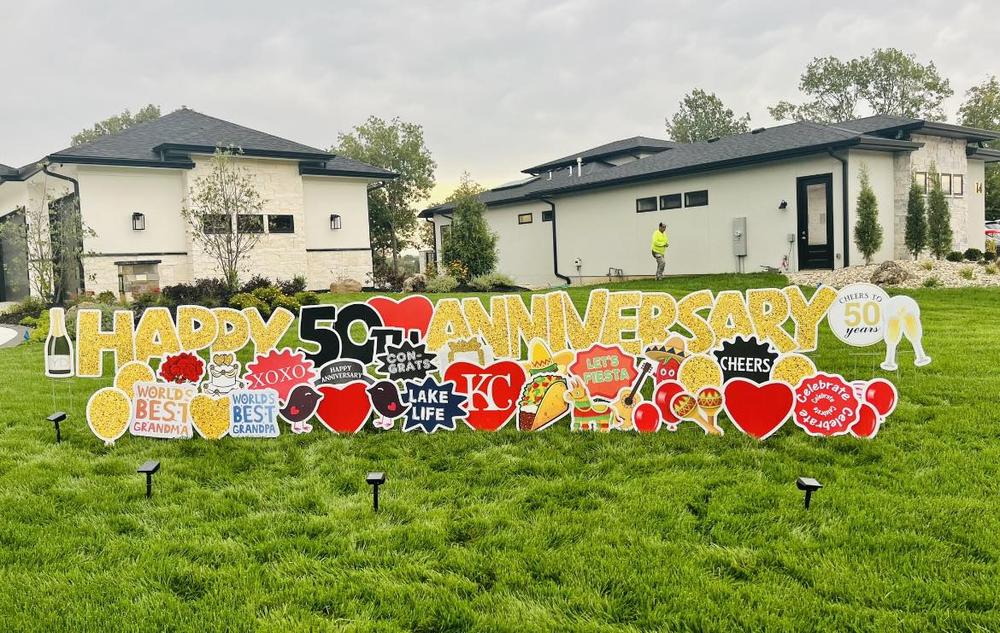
x=888 y=125
x=165 y=142
x=785 y=141
x=7 y=171
x=615 y=148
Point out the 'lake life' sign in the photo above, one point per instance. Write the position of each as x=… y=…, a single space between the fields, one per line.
x=721 y=360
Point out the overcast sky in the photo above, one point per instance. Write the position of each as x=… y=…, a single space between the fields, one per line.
x=497 y=85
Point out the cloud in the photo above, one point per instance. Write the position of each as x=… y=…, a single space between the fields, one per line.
x=497 y=85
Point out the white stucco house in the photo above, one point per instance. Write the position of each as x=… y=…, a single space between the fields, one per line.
x=776 y=197
x=133 y=185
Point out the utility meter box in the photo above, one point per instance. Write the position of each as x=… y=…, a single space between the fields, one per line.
x=740 y=237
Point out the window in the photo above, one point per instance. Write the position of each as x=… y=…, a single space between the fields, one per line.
x=642 y=205
x=334 y=221
x=445 y=232
x=525 y=218
x=946 y=184
x=280 y=224
x=958 y=185
x=215 y=223
x=672 y=201
x=249 y=223
x=696 y=198
x=921 y=179
x=547 y=216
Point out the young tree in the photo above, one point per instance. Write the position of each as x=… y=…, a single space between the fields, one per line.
x=938 y=218
x=116 y=123
x=470 y=241
x=888 y=81
x=867 y=230
x=982 y=109
x=916 y=221
x=225 y=214
x=392 y=208
x=701 y=115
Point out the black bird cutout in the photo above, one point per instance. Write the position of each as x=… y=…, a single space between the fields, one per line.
x=385 y=399
x=300 y=406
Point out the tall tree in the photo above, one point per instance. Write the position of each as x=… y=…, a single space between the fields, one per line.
x=470 y=241
x=701 y=115
x=117 y=123
x=867 y=230
x=939 y=234
x=225 y=215
x=392 y=208
x=982 y=109
x=888 y=81
x=916 y=221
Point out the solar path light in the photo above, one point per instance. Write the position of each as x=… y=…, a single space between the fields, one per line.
x=809 y=485
x=375 y=479
x=148 y=468
x=55 y=419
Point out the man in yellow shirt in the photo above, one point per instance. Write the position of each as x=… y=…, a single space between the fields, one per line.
x=659 y=247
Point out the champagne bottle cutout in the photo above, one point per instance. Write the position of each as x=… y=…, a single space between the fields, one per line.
x=58 y=348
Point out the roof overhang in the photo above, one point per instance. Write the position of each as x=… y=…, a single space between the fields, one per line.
x=165 y=149
x=119 y=162
x=984 y=154
x=632 y=151
x=307 y=169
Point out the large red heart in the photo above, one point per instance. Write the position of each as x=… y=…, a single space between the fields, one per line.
x=493 y=391
x=344 y=409
x=412 y=313
x=757 y=410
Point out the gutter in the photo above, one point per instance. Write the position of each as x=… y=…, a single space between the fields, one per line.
x=76 y=192
x=555 y=246
x=847 y=214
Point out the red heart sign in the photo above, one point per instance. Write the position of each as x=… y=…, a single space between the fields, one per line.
x=412 y=313
x=493 y=391
x=344 y=409
x=757 y=410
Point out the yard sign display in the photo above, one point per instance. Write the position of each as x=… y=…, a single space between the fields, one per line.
x=726 y=360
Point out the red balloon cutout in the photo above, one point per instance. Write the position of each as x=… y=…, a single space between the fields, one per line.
x=646 y=418
x=881 y=394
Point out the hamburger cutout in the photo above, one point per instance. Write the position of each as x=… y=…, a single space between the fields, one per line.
x=542 y=402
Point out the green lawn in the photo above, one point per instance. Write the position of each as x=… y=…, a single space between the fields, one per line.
x=514 y=532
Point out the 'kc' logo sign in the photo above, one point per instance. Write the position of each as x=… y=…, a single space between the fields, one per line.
x=492 y=391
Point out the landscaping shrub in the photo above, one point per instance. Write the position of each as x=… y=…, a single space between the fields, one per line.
x=292 y=286
x=939 y=231
x=107 y=297
x=442 y=283
x=927 y=265
x=307 y=298
x=989 y=256
x=931 y=282
x=286 y=302
x=255 y=282
x=867 y=230
x=973 y=254
x=954 y=256
x=243 y=300
x=967 y=272
x=205 y=292
x=148 y=300
x=30 y=307
x=492 y=281
x=990 y=269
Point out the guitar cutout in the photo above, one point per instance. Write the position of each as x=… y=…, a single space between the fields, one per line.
x=624 y=405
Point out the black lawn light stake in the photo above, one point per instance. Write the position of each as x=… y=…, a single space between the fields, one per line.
x=375 y=480
x=148 y=468
x=55 y=419
x=809 y=485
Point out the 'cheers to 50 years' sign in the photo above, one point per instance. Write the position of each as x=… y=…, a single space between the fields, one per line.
x=628 y=361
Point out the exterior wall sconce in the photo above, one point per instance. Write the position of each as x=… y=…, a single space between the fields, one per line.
x=138 y=221
x=334 y=221
x=782 y=205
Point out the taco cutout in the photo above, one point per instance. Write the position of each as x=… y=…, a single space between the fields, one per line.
x=542 y=402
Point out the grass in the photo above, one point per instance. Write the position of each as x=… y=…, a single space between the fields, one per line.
x=514 y=532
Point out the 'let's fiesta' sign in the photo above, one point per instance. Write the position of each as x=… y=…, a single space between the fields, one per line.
x=427 y=367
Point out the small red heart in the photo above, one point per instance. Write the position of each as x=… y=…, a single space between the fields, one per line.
x=757 y=410
x=868 y=422
x=392 y=406
x=412 y=313
x=646 y=418
x=294 y=411
x=344 y=409
x=492 y=391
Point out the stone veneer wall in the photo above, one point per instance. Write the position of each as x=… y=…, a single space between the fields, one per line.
x=325 y=267
x=948 y=156
x=101 y=272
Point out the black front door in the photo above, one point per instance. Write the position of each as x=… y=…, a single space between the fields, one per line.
x=815 y=207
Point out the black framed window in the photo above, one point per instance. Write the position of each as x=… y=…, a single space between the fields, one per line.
x=946 y=184
x=547 y=215
x=957 y=185
x=216 y=223
x=525 y=218
x=696 y=198
x=921 y=178
x=670 y=201
x=250 y=223
x=642 y=205
x=280 y=224
x=335 y=221
x=445 y=232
